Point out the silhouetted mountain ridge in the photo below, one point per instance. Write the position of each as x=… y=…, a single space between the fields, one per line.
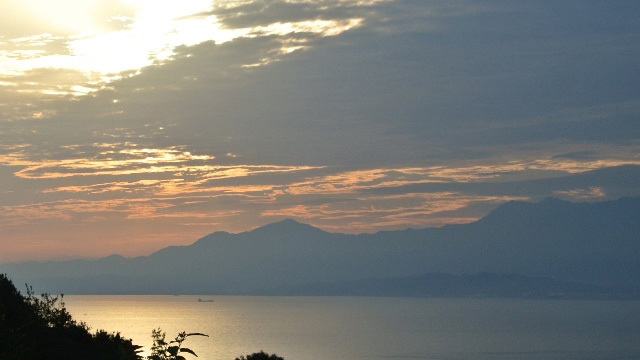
x=286 y=227
x=590 y=243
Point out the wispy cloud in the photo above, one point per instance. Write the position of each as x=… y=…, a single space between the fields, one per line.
x=593 y=192
x=358 y=180
x=159 y=182
x=133 y=161
x=390 y=212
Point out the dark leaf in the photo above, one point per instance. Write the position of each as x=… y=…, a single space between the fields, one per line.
x=187 y=350
x=198 y=334
x=173 y=350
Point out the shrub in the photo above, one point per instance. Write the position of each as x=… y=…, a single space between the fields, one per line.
x=260 y=356
x=34 y=328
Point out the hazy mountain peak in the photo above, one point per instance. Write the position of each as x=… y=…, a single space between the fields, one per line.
x=113 y=257
x=286 y=226
x=218 y=235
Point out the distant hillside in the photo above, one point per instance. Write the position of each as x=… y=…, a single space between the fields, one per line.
x=587 y=243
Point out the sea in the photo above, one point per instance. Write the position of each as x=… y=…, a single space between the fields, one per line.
x=373 y=328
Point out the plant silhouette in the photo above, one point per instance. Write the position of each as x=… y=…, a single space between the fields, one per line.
x=260 y=356
x=162 y=350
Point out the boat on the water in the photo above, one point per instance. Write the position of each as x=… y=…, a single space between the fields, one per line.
x=205 y=300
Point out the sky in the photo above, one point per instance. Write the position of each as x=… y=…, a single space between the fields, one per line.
x=130 y=125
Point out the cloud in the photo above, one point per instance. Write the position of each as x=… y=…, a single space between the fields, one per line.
x=613 y=181
x=262 y=13
x=593 y=192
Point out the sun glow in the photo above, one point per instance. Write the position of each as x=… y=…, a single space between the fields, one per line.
x=102 y=39
x=109 y=39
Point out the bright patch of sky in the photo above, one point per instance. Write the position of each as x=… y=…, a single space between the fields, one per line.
x=103 y=39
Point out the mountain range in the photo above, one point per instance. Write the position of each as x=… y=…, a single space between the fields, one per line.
x=551 y=248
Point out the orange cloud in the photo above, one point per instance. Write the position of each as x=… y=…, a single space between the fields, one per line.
x=173 y=183
x=593 y=192
x=412 y=209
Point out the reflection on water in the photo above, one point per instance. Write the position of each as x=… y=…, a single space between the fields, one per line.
x=350 y=328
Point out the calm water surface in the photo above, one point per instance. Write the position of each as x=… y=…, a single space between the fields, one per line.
x=355 y=328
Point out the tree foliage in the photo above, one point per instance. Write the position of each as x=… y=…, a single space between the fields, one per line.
x=35 y=328
x=260 y=356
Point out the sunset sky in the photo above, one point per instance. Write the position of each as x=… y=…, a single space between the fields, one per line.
x=127 y=126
